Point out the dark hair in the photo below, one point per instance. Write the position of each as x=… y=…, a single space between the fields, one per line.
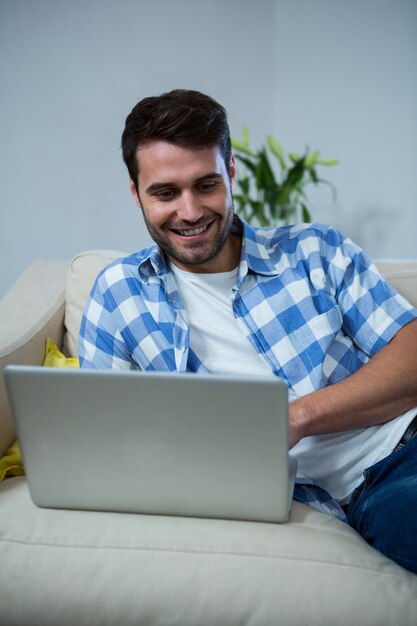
x=183 y=117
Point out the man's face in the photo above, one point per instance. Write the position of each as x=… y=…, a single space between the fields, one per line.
x=186 y=199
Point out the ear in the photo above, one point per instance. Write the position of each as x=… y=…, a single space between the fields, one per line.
x=134 y=193
x=232 y=168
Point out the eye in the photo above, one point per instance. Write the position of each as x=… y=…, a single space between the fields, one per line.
x=207 y=186
x=164 y=195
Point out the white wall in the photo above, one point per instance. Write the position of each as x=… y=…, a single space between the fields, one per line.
x=338 y=76
x=346 y=82
x=70 y=72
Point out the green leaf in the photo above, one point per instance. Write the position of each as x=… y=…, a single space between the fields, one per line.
x=239 y=145
x=270 y=201
x=256 y=206
x=294 y=157
x=306 y=213
x=244 y=183
x=277 y=150
x=251 y=166
x=328 y=162
x=312 y=158
x=313 y=175
x=245 y=136
x=332 y=187
x=295 y=174
x=283 y=196
x=267 y=171
x=257 y=212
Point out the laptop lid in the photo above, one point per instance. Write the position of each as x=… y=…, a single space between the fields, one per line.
x=156 y=443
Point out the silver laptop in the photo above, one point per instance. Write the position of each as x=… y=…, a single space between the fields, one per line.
x=158 y=443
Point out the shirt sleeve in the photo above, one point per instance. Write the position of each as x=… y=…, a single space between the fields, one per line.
x=100 y=343
x=372 y=310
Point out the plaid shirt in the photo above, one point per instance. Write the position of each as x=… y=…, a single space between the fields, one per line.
x=309 y=300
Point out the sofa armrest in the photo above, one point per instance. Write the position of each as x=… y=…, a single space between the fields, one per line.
x=32 y=310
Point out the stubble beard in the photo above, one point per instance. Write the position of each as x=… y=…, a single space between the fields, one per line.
x=193 y=254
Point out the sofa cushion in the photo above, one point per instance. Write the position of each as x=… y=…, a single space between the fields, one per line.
x=82 y=273
x=80 y=567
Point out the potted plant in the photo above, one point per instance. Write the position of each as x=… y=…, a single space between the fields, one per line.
x=267 y=199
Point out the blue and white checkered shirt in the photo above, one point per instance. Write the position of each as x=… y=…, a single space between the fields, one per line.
x=309 y=300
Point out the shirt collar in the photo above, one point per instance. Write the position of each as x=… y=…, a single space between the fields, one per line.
x=258 y=250
x=152 y=263
x=255 y=254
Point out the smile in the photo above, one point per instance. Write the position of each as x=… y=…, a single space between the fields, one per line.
x=192 y=231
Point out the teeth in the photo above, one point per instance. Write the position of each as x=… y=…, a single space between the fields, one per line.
x=194 y=231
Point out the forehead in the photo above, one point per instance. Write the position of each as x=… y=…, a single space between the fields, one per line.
x=163 y=161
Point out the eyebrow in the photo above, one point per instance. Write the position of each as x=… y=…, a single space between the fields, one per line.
x=162 y=185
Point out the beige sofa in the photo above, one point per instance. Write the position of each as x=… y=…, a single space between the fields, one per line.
x=88 y=568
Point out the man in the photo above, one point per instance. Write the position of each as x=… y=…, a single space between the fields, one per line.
x=299 y=302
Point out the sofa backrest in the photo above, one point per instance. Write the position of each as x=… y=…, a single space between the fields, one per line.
x=85 y=267
x=83 y=270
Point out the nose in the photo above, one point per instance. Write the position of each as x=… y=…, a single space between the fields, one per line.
x=189 y=208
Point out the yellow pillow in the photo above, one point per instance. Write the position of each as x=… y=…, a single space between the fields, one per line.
x=55 y=358
x=11 y=463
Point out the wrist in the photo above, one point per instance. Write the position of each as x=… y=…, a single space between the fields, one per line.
x=301 y=414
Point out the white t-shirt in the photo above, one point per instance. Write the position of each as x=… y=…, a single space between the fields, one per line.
x=335 y=461
x=216 y=337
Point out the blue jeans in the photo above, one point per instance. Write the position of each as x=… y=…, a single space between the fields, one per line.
x=383 y=509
